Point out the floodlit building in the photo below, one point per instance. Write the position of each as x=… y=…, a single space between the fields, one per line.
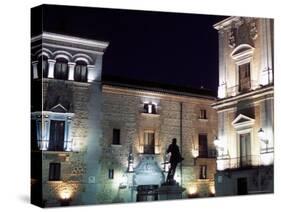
x=104 y=140
x=245 y=140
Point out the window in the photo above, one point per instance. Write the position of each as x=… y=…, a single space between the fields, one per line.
x=149 y=143
x=61 y=69
x=203 y=145
x=150 y=108
x=116 y=137
x=203 y=172
x=110 y=173
x=54 y=171
x=43 y=66
x=244 y=77
x=245 y=149
x=56 y=142
x=81 y=72
x=203 y=114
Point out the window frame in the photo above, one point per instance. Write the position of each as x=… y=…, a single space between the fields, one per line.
x=203 y=154
x=149 y=106
x=79 y=65
x=114 y=131
x=43 y=123
x=54 y=171
x=203 y=114
x=61 y=74
x=110 y=174
x=203 y=175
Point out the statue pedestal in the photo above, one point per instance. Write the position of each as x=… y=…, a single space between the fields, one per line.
x=170 y=191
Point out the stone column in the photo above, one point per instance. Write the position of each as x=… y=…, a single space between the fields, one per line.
x=91 y=73
x=51 y=63
x=71 y=66
x=34 y=69
x=222 y=70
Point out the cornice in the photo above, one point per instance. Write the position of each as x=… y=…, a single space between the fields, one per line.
x=70 y=39
x=156 y=94
x=255 y=94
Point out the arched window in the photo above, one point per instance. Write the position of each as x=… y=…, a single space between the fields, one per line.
x=43 y=66
x=81 y=71
x=61 y=69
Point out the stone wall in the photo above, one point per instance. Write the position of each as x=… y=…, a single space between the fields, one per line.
x=73 y=164
x=122 y=109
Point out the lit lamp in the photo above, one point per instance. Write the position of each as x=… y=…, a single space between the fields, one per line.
x=131 y=162
x=65 y=195
x=218 y=144
x=262 y=137
x=124 y=182
x=195 y=153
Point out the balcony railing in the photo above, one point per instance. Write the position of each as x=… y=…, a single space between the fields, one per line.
x=240 y=162
x=234 y=90
x=45 y=146
x=211 y=153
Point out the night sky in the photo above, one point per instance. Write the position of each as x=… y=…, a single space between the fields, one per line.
x=172 y=48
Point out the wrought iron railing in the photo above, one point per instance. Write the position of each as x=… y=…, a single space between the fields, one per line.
x=235 y=90
x=210 y=153
x=240 y=162
x=45 y=145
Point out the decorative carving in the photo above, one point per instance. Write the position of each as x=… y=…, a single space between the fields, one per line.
x=253 y=30
x=242 y=32
x=232 y=37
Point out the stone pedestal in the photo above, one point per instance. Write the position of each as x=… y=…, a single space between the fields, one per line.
x=170 y=191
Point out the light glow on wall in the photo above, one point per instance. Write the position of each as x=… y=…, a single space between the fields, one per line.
x=267 y=158
x=220 y=165
x=192 y=189
x=66 y=192
x=195 y=153
x=212 y=189
x=150 y=108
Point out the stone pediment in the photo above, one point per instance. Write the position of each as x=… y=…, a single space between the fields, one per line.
x=242 y=51
x=59 y=109
x=242 y=121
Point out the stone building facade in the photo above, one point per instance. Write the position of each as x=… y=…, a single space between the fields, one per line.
x=245 y=106
x=175 y=115
x=102 y=141
x=66 y=115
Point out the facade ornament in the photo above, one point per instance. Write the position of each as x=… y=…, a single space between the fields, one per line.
x=253 y=30
x=232 y=38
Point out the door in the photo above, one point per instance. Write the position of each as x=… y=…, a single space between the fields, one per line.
x=245 y=150
x=56 y=142
x=149 y=143
x=242 y=186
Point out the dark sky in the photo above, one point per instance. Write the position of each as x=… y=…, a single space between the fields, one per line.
x=173 y=48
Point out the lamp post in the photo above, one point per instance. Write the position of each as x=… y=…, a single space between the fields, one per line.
x=262 y=137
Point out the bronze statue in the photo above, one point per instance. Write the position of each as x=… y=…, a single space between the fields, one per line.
x=175 y=158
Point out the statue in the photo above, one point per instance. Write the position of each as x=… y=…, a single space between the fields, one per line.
x=174 y=160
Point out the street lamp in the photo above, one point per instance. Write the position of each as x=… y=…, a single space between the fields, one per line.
x=217 y=142
x=219 y=145
x=262 y=137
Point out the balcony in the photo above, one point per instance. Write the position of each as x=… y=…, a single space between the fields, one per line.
x=44 y=145
x=239 y=162
x=235 y=90
x=210 y=153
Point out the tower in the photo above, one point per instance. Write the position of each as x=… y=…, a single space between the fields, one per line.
x=245 y=106
x=65 y=118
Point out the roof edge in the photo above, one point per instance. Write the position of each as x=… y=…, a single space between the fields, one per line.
x=70 y=39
